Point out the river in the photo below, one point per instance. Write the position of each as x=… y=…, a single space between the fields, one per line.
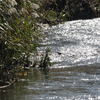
x=75 y=74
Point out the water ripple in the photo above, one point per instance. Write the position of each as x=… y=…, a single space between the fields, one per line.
x=78 y=41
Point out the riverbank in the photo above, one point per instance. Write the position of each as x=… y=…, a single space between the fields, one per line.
x=58 y=11
x=19 y=36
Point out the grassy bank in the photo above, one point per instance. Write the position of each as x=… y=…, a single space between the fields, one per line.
x=19 y=36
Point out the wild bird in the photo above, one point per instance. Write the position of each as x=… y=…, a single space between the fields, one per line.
x=59 y=53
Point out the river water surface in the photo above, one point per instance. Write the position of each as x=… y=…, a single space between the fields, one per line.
x=75 y=74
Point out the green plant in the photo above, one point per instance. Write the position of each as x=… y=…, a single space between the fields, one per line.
x=45 y=59
x=19 y=36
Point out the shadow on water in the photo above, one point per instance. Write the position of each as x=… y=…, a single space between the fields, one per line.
x=25 y=83
x=45 y=72
x=56 y=84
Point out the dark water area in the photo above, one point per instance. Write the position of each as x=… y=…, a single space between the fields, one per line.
x=75 y=74
x=56 y=84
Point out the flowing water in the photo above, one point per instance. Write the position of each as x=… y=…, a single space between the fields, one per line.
x=75 y=74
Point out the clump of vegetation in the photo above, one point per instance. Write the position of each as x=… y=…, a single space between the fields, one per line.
x=57 y=11
x=45 y=59
x=19 y=36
